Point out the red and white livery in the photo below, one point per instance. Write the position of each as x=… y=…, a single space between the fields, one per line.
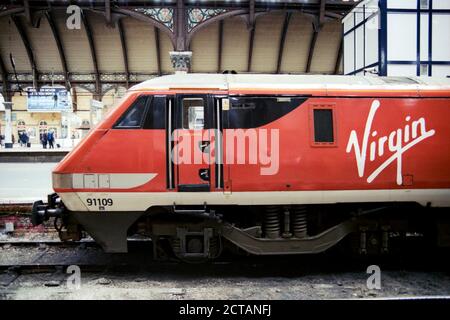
x=275 y=164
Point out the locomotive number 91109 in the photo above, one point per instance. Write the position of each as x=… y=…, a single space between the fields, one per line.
x=99 y=202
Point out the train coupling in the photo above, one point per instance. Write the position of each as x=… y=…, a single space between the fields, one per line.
x=42 y=212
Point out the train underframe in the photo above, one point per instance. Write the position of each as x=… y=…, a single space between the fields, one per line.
x=201 y=233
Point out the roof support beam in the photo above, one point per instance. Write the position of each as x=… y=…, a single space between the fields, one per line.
x=250 y=48
x=207 y=22
x=74 y=99
x=333 y=5
x=287 y=19
x=62 y=55
x=158 y=50
x=124 y=49
x=180 y=23
x=88 y=29
x=142 y=17
x=333 y=15
x=9 y=12
x=251 y=14
x=27 y=11
x=5 y=81
x=317 y=25
x=339 y=57
x=312 y=47
x=108 y=11
x=219 y=52
x=28 y=48
x=322 y=12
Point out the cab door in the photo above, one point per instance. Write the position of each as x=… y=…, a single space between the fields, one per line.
x=193 y=142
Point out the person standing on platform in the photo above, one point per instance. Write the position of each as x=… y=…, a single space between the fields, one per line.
x=44 y=140
x=20 y=139
x=26 y=139
x=51 y=139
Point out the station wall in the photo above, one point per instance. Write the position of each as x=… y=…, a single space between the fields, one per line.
x=35 y=122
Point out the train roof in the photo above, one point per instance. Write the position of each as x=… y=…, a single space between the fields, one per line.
x=238 y=82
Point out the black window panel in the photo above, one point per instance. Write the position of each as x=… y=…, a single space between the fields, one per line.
x=134 y=116
x=323 y=125
x=253 y=112
x=156 y=113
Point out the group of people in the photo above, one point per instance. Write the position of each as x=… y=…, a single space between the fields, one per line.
x=48 y=137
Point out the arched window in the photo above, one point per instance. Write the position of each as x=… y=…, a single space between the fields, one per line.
x=32 y=132
x=85 y=124
x=43 y=124
x=42 y=128
x=55 y=132
x=64 y=130
x=21 y=126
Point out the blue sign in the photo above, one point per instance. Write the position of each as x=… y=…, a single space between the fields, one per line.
x=49 y=100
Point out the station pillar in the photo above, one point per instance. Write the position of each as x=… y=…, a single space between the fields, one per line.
x=181 y=60
x=96 y=113
x=8 y=124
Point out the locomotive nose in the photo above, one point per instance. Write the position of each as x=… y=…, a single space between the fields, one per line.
x=62 y=180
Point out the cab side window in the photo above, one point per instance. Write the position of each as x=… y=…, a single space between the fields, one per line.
x=134 y=116
x=156 y=114
x=323 y=125
x=257 y=111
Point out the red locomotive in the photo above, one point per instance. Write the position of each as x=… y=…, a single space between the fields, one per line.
x=274 y=164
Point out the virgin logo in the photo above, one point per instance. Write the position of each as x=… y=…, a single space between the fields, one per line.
x=397 y=142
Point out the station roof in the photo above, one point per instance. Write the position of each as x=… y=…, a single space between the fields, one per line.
x=121 y=43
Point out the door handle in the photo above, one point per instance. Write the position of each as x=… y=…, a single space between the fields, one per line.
x=204 y=146
x=204 y=174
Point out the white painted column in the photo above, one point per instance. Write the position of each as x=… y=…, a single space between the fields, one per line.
x=8 y=124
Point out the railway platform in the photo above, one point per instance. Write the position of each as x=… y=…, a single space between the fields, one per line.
x=35 y=153
x=24 y=182
x=26 y=173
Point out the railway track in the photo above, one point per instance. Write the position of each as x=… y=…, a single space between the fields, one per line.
x=17 y=253
x=51 y=253
x=412 y=298
x=16 y=207
x=55 y=254
x=41 y=268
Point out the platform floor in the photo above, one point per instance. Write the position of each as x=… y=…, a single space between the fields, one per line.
x=25 y=182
